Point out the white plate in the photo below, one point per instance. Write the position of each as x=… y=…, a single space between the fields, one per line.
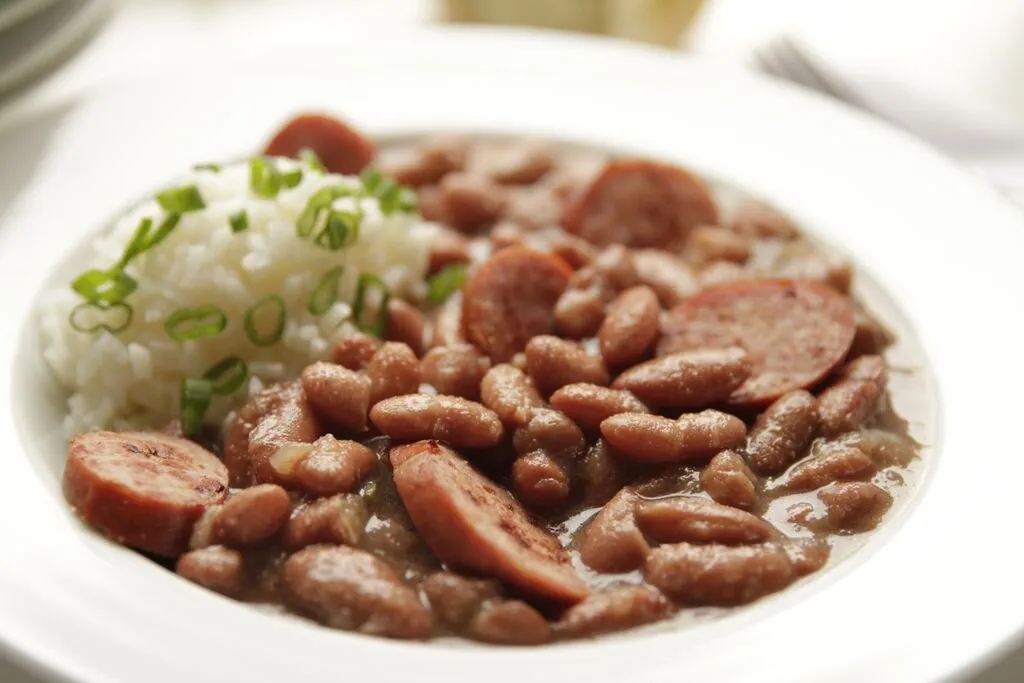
x=935 y=590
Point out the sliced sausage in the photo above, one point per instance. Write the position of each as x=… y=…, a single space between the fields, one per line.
x=641 y=204
x=405 y=325
x=455 y=370
x=354 y=351
x=394 y=370
x=292 y=421
x=729 y=481
x=340 y=148
x=509 y=622
x=613 y=609
x=689 y=379
x=718 y=574
x=783 y=432
x=338 y=520
x=454 y=599
x=510 y=299
x=334 y=466
x=656 y=439
x=339 y=395
x=612 y=543
x=795 y=332
x=508 y=391
x=353 y=590
x=630 y=327
x=589 y=404
x=251 y=516
x=854 y=506
x=696 y=520
x=415 y=417
x=473 y=525
x=554 y=362
x=217 y=568
x=145 y=490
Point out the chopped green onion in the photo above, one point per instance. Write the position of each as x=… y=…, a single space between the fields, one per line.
x=109 y=287
x=181 y=199
x=373 y=181
x=259 y=332
x=196 y=395
x=165 y=229
x=239 y=221
x=291 y=178
x=446 y=282
x=92 y=316
x=137 y=244
x=227 y=375
x=317 y=205
x=213 y=168
x=326 y=292
x=379 y=322
x=340 y=230
x=264 y=178
x=397 y=198
x=189 y=324
x=310 y=158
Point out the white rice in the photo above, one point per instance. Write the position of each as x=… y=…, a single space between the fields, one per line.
x=132 y=379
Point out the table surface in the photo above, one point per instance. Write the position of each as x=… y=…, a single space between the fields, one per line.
x=145 y=36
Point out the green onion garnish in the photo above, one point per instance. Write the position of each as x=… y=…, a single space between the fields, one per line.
x=316 y=207
x=165 y=229
x=270 y=308
x=239 y=221
x=227 y=375
x=310 y=158
x=213 y=168
x=137 y=244
x=92 y=316
x=181 y=199
x=379 y=322
x=109 y=287
x=392 y=196
x=326 y=292
x=264 y=178
x=373 y=181
x=291 y=178
x=189 y=324
x=196 y=395
x=340 y=230
x=446 y=282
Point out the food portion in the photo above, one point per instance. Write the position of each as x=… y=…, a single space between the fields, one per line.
x=500 y=390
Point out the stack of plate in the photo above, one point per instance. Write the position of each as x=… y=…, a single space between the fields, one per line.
x=36 y=35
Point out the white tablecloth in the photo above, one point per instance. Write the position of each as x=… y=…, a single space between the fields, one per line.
x=971 y=49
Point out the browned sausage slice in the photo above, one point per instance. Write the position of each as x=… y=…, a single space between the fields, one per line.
x=340 y=148
x=143 y=490
x=641 y=204
x=511 y=298
x=473 y=525
x=795 y=332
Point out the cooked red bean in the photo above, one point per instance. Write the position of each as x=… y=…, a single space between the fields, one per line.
x=576 y=252
x=656 y=439
x=455 y=599
x=340 y=148
x=712 y=243
x=515 y=163
x=406 y=325
x=579 y=312
x=783 y=432
x=506 y=234
x=884 y=448
x=854 y=396
x=252 y=516
x=630 y=327
x=447 y=248
x=641 y=204
x=426 y=163
x=236 y=436
x=754 y=219
x=600 y=474
x=455 y=370
x=690 y=379
x=871 y=337
x=554 y=362
x=290 y=422
x=510 y=394
x=473 y=525
x=670 y=277
x=338 y=520
x=351 y=589
x=334 y=466
x=510 y=299
x=354 y=351
x=795 y=332
x=612 y=542
x=807 y=555
x=338 y=395
x=218 y=568
x=538 y=481
x=509 y=622
x=470 y=202
x=721 y=273
x=393 y=371
x=614 y=268
x=589 y=404
x=802 y=261
x=448 y=323
x=688 y=518
x=551 y=432
x=613 y=609
x=834 y=464
x=143 y=490
x=535 y=207
x=415 y=417
x=729 y=481
x=202 y=531
x=718 y=574
x=854 y=506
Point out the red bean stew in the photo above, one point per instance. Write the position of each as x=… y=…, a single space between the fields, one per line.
x=584 y=439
